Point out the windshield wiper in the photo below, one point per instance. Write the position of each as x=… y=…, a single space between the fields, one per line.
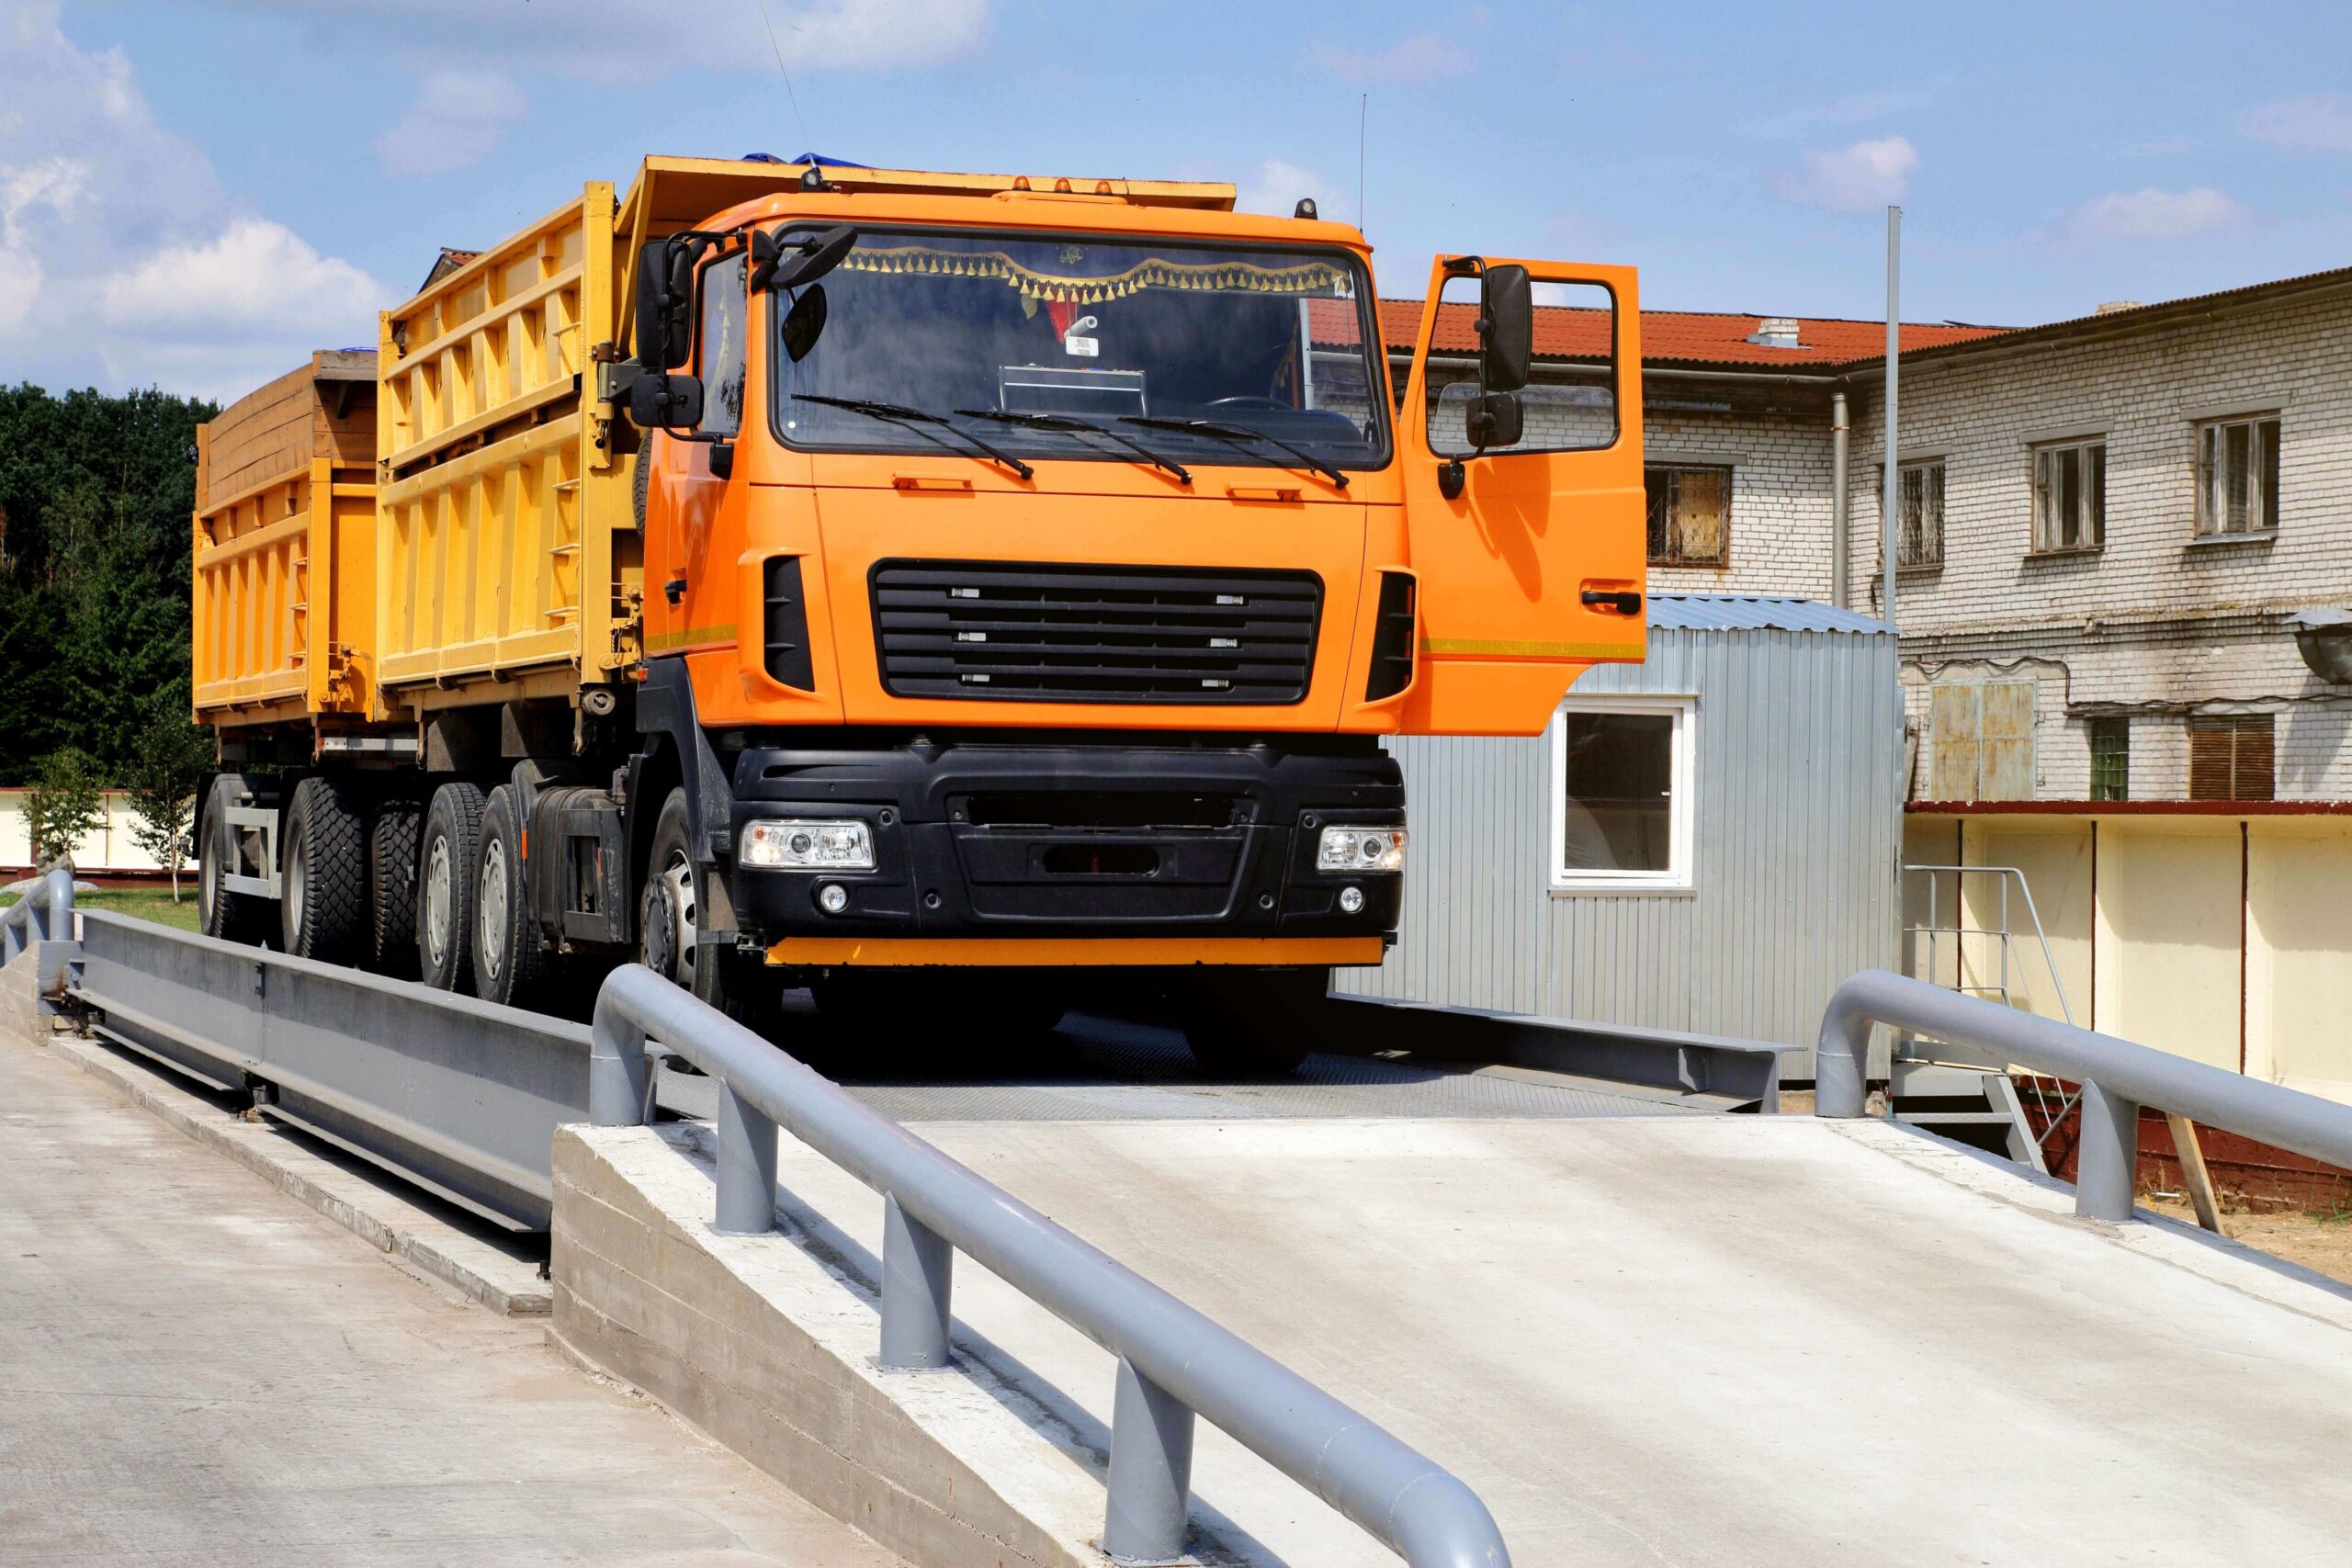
x=899 y=413
x=1237 y=435
x=1071 y=423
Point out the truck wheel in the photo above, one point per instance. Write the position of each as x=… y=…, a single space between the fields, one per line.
x=508 y=957
x=1249 y=1024
x=231 y=916
x=445 y=884
x=323 y=907
x=669 y=929
x=391 y=884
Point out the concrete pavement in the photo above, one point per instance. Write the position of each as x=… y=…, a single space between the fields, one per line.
x=196 y=1369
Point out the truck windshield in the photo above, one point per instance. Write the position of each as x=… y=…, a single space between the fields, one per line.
x=1091 y=331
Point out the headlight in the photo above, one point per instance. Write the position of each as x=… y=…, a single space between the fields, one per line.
x=789 y=844
x=1361 y=849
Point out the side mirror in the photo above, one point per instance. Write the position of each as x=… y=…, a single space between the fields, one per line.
x=1506 y=327
x=818 y=255
x=1494 y=419
x=665 y=400
x=804 y=322
x=665 y=294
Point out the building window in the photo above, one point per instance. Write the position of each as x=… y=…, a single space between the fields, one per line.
x=1621 y=794
x=1689 y=515
x=2110 y=758
x=1919 y=514
x=2230 y=757
x=2237 y=477
x=2070 y=496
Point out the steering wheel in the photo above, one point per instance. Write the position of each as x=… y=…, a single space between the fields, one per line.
x=1251 y=402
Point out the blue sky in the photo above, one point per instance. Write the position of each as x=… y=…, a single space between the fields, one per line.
x=195 y=192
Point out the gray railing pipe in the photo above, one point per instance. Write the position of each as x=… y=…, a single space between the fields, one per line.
x=2118 y=1078
x=44 y=915
x=1174 y=1364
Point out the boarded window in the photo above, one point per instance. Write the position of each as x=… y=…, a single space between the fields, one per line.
x=1689 y=515
x=1983 y=739
x=2110 y=758
x=1919 y=513
x=2230 y=757
x=2237 y=476
x=2070 y=496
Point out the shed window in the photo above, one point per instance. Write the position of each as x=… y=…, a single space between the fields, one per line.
x=1689 y=515
x=1621 y=797
x=2230 y=757
x=2110 y=758
x=2237 y=476
x=2070 y=496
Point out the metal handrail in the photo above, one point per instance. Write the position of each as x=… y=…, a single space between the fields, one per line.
x=2116 y=1075
x=1173 y=1363
x=42 y=917
x=1964 y=931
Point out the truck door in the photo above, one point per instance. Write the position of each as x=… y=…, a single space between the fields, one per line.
x=695 y=607
x=1533 y=570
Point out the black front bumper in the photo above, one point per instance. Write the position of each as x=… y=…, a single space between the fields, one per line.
x=1142 y=839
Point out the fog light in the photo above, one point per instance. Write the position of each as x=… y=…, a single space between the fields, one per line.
x=1352 y=900
x=782 y=843
x=1361 y=849
x=832 y=898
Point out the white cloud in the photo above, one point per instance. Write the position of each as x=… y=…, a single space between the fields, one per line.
x=1868 y=174
x=1852 y=109
x=1418 y=57
x=2320 y=123
x=118 y=241
x=2152 y=214
x=457 y=117
x=1276 y=186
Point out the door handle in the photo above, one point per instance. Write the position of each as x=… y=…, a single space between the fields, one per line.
x=1620 y=602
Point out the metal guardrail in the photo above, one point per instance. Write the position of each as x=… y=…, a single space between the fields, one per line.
x=2118 y=1078
x=42 y=920
x=1174 y=1363
x=458 y=1095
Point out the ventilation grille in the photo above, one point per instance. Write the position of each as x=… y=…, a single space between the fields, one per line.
x=1018 y=632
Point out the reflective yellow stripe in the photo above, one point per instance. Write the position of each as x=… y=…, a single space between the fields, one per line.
x=668 y=640
x=1511 y=647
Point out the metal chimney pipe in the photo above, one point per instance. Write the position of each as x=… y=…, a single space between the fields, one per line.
x=1841 y=541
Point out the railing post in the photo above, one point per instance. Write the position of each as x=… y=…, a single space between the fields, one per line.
x=918 y=1273
x=2107 y=1160
x=1151 y=1472
x=617 y=1070
x=746 y=1167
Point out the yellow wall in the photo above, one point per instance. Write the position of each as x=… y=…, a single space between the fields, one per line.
x=2179 y=920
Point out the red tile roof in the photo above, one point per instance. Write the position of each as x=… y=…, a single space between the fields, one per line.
x=1668 y=337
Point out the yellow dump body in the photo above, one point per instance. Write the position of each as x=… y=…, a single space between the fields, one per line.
x=284 y=569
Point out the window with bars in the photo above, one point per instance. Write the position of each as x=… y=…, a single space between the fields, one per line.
x=1689 y=512
x=1919 y=513
x=2230 y=757
x=2110 y=758
x=2237 y=477
x=2070 y=496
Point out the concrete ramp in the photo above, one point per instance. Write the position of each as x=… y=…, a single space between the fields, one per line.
x=1644 y=1339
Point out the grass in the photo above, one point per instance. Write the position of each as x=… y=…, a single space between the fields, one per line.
x=144 y=903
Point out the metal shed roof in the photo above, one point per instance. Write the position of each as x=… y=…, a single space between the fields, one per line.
x=1750 y=612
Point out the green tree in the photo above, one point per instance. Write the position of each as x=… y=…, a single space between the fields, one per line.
x=64 y=805
x=173 y=755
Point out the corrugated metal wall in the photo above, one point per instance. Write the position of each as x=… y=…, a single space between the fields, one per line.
x=1797 y=749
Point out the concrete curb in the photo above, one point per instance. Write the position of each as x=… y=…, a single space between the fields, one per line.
x=505 y=1280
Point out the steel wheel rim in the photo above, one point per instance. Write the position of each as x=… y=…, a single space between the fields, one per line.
x=297 y=878
x=208 y=883
x=678 y=875
x=437 y=901
x=490 y=922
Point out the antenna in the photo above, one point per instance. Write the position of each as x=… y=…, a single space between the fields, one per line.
x=790 y=97
x=1363 y=110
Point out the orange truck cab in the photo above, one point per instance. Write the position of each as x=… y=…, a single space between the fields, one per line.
x=1016 y=578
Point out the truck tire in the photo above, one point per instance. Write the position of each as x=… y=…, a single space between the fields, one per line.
x=670 y=924
x=508 y=956
x=231 y=916
x=322 y=908
x=445 y=870
x=391 y=884
x=1251 y=1023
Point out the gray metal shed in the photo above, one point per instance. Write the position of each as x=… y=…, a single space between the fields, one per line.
x=1707 y=840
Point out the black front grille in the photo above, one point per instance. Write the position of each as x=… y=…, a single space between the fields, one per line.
x=1020 y=632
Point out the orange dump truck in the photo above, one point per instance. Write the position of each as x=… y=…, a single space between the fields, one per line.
x=948 y=589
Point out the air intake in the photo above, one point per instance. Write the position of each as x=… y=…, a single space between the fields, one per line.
x=1776 y=332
